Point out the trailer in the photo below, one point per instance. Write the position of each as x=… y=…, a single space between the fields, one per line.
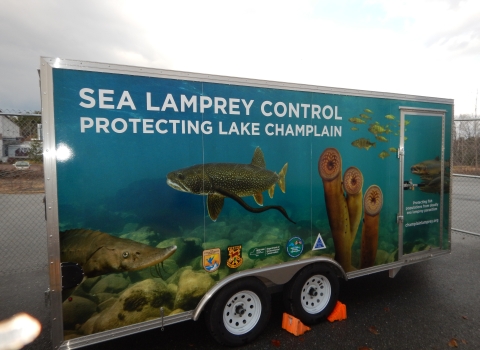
x=171 y=194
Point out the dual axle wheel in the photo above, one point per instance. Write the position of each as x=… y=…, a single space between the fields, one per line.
x=241 y=310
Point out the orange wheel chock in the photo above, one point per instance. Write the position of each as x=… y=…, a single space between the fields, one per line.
x=339 y=313
x=293 y=325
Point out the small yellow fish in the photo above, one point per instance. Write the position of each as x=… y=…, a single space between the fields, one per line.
x=407 y=122
x=357 y=120
x=381 y=138
x=389 y=116
x=405 y=138
x=364 y=116
x=384 y=155
x=354 y=128
x=376 y=129
x=363 y=143
x=387 y=130
x=366 y=110
x=393 y=149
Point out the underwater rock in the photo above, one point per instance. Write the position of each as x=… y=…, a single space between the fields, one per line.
x=382 y=257
x=193 y=241
x=272 y=260
x=221 y=243
x=77 y=310
x=143 y=235
x=87 y=327
x=164 y=270
x=104 y=296
x=172 y=288
x=248 y=263
x=113 y=283
x=79 y=292
x=89 y=283
x=419 y=246
x=217 y=230
x=106 y=304
x=243 y=235
x=129 y=227
x=196 y=263
x=173 y=279
x=388 y=247
x=192 y=285
x=393 y=256
x=136 y=304
x=67 y=335
x=176 y=311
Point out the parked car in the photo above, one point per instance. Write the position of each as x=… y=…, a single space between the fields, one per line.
x=21 y=165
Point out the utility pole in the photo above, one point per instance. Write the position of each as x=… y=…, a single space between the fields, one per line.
x=476 y=137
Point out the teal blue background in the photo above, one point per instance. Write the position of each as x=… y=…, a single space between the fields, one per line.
x=117 y=179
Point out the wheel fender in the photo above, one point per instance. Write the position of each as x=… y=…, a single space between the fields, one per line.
x=278 y=274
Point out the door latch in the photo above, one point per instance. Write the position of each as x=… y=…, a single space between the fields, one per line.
x=409 y=185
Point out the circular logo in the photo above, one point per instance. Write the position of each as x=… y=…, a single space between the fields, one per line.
x=295 y=247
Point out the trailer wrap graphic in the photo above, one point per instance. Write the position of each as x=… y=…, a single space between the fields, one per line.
x=167 y=186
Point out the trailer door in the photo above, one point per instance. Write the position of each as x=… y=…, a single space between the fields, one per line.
x=423 y=183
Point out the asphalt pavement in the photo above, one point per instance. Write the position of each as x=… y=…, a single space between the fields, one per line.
x=433 y=304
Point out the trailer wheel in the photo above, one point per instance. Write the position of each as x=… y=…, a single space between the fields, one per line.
x=312 y=293
x=239 y=312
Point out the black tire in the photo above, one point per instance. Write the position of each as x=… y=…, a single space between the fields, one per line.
x=239 y=312
x=312 y=293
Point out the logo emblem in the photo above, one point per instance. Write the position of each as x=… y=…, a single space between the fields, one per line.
x=211 y=259
x=295 y=247
x=234 y=256
x=319 y=244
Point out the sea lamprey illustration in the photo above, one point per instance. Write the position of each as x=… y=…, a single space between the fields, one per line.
x=344 y=204
x=330 y=170
x=373 y=202
x=353 y=183
x=232 y=180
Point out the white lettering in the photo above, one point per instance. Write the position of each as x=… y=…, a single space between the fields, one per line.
x=85 y=123
x=126 y=100
x=266 y=114
x=169 y=103
x=104 y=99
x=114 y=125
x=247 y=106
x=233 y=107
x=149 y=103
x=220 y=104
x=90 y=99
x=205 y=102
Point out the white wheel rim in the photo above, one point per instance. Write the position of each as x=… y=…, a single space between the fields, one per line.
x=316 y=293
x=242 y=312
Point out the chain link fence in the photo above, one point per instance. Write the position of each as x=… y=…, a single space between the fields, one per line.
x=23 y=242
x=466 y=176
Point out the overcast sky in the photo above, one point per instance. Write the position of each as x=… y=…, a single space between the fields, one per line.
x=419 y=47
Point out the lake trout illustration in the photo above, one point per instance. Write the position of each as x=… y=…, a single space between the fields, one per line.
x=232 y=180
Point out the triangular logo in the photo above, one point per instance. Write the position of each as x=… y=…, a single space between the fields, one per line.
x=319 y=244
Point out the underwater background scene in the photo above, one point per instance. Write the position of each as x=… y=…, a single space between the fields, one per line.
x=167 y=186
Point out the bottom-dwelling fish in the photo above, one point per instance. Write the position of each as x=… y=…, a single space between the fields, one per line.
x=232 y=180
x=99 y=253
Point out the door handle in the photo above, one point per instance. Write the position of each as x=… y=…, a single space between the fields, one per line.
x=409 y=185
